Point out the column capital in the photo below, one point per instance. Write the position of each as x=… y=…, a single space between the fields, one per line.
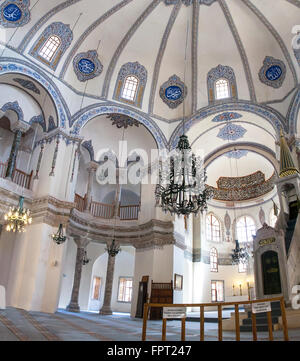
x=19 y=125
x=92 y=166
x=81 y=242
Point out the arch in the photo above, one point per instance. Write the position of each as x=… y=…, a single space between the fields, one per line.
x=14 y=66
x=253 y=147
x=293 y=112
x=270 y=115
x=78 y=120
x=214 y=75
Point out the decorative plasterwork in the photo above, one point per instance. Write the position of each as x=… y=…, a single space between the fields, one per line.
x=89 y=147
x=65 y=35
x=237 y=154
x=122 y=120
x=240 y=48
x=39 y=119
x=137 y=70
x=227 y=222
x=27 y=84
x=243 y=188
x=87 y=65
x=273 y=72
x=14 y=13
x=123 y=43
x=14 y=106
x=226 y=117
x=224 y=72
x=88 y=31
x=262 y=216
x=173 y=91
x=21 y=67
x=231 y=132
x=51 y=124
x=189 y=2
x=276 y=36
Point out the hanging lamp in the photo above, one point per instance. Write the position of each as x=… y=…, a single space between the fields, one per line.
x=181 y=186
x=17 y=218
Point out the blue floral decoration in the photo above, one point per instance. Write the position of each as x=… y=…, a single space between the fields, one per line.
x=231 y=132
x=226 y=117
x=173 y=91
x=14 y=13
x=236 y=154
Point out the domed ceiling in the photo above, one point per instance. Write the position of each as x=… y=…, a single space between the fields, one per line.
x=245 y=35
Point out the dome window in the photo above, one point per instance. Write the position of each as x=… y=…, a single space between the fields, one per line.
x=221 y=85
x=245 y=229
x=130 y=88
x=50 y=47
x=131 y=83
x=222 y=89
x=52 y=44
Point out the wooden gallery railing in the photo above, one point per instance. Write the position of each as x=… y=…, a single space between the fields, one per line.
x=106 y=211
x=19 y=177
x=147 y=307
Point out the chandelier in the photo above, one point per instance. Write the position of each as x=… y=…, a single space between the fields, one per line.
x=240 y=254
x=181 y=188
x=113 y=249
x=85 y=260
x=17 y=218
x=59 y=236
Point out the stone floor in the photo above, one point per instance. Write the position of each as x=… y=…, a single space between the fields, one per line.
x=17 y=324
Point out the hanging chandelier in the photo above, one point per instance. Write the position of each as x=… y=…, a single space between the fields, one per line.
x=17 y=218
x=240 y=254
x=181 y=189
x=85 y=260
x=59 y=236
x=113 y=249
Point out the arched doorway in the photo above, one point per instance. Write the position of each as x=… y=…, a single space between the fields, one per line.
x=271 y=273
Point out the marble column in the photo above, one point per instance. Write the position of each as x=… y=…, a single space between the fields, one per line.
x=13 y=154
x=91 y=171
x=106 y=307
x=81 y=246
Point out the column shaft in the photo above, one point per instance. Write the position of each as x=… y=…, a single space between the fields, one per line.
x=13 y=154
x=73 y=305
x=106 y=308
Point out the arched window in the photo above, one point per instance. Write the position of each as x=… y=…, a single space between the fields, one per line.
x=52 y=44
x=221 y=84
x=130 y=88
x=273 y=218
x=245 y=229
x=131 y=83
x=222 y=89
x=242 y=267
x=213 y=231
x=50 y=47
x=213 y=260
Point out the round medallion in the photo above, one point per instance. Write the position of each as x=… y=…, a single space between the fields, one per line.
x=12 y=13
x=274 y=72
x=86 y=66
x=173 y=92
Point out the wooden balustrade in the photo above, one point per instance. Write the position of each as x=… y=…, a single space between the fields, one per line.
x=106 y=211
x=148 y=306
x=79 y=202
x=19 y=177
x=129 y=213
x=102 y=210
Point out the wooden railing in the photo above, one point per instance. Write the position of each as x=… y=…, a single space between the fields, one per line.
x=19 y=177
x=79 y=202
x=147 y=307
x=102 y=210
x=106 y=211
x=129 y=213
